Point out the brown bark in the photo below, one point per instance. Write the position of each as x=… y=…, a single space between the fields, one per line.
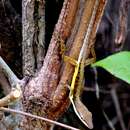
x=47 y=94
x=41 y=34
x=40 y=89
x=28 y=33
x=33 y=50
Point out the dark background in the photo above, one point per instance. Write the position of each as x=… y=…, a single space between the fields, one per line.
x=10 y=50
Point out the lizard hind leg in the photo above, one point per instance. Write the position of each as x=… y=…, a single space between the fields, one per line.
x=70 y=60
x=91 y=60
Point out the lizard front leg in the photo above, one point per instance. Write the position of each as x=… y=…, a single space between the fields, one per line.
x=93 y=59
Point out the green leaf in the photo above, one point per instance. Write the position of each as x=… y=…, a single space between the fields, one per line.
x=117 y=64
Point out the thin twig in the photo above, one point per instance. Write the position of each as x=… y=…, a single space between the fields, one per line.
x=9 y=73
x=123 y=23
x=93 y=90
x=108 y=120
x=118 y=110
x=37 y=117
x=11 y=98
x=96 y=83
x=114 y=120
x=14 y=95
x=98 y=96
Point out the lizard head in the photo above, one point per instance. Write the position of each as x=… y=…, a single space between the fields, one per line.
x=83 y=113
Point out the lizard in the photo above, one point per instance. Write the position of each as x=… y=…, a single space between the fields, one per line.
x=77 y=80
x=79 y=108
x=77 y=85
x=78 y=76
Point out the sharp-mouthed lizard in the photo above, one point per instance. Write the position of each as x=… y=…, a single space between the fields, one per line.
x=77 y=81
x=78 y=77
